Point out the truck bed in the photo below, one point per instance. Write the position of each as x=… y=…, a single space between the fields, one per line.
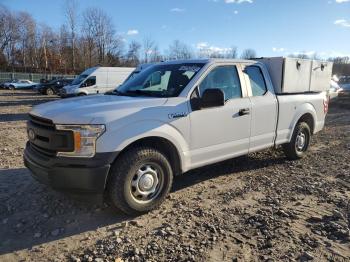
x=292 y=107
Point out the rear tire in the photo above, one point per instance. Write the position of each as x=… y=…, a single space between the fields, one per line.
x=11 y=87
x=299 y=143
x=81 y=94
x=50 y=92
x=140 y=180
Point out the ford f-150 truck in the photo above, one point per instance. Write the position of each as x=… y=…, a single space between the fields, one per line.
x=172 y=117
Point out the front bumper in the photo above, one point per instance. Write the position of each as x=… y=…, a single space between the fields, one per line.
x=63 y=93
x=75 y=175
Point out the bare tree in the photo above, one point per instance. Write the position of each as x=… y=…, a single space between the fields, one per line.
x=9 y=33
x=89 y=34
x=179 y=50
x=340 y=60
x=133 y=55
x=27 y=40
x=156 y=56
x=71 y=7
x=302 y=56
x=248 y=54
x=99 y=32
x=6 y=27
x=148 y=48
x=232 y=53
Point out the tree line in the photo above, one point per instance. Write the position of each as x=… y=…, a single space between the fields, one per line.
x=85 y=39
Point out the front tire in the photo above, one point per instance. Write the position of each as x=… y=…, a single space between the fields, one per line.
x=299 y=143
x=50 y=92
x=140 y=180
x=11 y=87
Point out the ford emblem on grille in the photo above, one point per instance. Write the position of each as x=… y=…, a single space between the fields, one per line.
x=31 y=134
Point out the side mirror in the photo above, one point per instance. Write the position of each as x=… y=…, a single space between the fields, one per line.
x=212 y=98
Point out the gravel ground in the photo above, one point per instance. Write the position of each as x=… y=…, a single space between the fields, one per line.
x=261 y=207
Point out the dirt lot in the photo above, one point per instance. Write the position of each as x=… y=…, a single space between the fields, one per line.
x=256 y=208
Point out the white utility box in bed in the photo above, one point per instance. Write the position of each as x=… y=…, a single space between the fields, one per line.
x=294 y=75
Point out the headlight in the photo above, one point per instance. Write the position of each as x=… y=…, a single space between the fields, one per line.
x=85 y=137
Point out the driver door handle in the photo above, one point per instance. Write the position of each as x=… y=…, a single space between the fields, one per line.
x=244 y=111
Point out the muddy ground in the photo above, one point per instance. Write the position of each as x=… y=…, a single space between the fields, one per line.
x=256 y=208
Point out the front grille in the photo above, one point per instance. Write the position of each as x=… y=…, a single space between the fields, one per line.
x=48 y=141
x=41 y=122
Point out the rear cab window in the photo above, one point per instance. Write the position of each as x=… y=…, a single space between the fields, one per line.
x=257 y=80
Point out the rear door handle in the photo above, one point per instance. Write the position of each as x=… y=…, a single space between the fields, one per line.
x=244 y=111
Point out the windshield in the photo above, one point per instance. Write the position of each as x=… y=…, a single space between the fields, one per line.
x=52 y=81
x=162 y=80
x=79 y=79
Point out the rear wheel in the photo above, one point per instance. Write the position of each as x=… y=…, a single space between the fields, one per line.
x=299 y=143
x=50 y=92
x=140 y=180
x=11 y=87
x=82 y=94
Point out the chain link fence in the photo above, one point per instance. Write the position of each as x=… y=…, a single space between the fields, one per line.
x=6 y=76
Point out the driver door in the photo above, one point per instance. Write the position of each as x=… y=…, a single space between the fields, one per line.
x=90 y=85
x=222 y=132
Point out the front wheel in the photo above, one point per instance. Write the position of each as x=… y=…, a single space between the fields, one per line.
x=140 y=180
x=299 y=143
x=11 y=87
x=50 y=92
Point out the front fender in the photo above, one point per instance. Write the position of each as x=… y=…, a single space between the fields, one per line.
x=119 y=139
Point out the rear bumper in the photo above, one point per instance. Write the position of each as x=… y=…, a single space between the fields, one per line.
x=74 y=175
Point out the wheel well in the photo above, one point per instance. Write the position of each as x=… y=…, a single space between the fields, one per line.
x=163 y=145
x=308 y=119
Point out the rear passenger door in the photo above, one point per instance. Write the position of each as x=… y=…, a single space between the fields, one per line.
x=264 y=107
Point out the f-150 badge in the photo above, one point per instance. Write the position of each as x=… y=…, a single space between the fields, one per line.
x=177 y=115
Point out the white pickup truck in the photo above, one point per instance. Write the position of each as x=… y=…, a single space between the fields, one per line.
x=171 y=118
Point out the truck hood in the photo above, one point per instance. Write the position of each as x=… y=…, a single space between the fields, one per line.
x=96 y=109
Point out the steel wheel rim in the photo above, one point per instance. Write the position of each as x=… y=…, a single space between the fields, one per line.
x=49 y=92
x=301 y=141
x=147 y=183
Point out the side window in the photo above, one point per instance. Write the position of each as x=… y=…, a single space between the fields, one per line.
x=90 y=81
x=257 y=81
x=225 y=78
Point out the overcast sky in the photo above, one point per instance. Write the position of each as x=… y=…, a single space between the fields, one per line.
x=271 y=27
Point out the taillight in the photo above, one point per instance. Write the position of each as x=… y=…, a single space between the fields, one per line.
x=325 y=105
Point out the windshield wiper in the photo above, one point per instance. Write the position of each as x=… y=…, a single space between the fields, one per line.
x=137 y=92
x=116 y=93
x=141 y=93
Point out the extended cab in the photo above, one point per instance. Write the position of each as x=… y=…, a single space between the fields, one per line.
x=170 y=118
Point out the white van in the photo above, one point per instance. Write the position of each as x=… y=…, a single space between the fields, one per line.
x=96 y=80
